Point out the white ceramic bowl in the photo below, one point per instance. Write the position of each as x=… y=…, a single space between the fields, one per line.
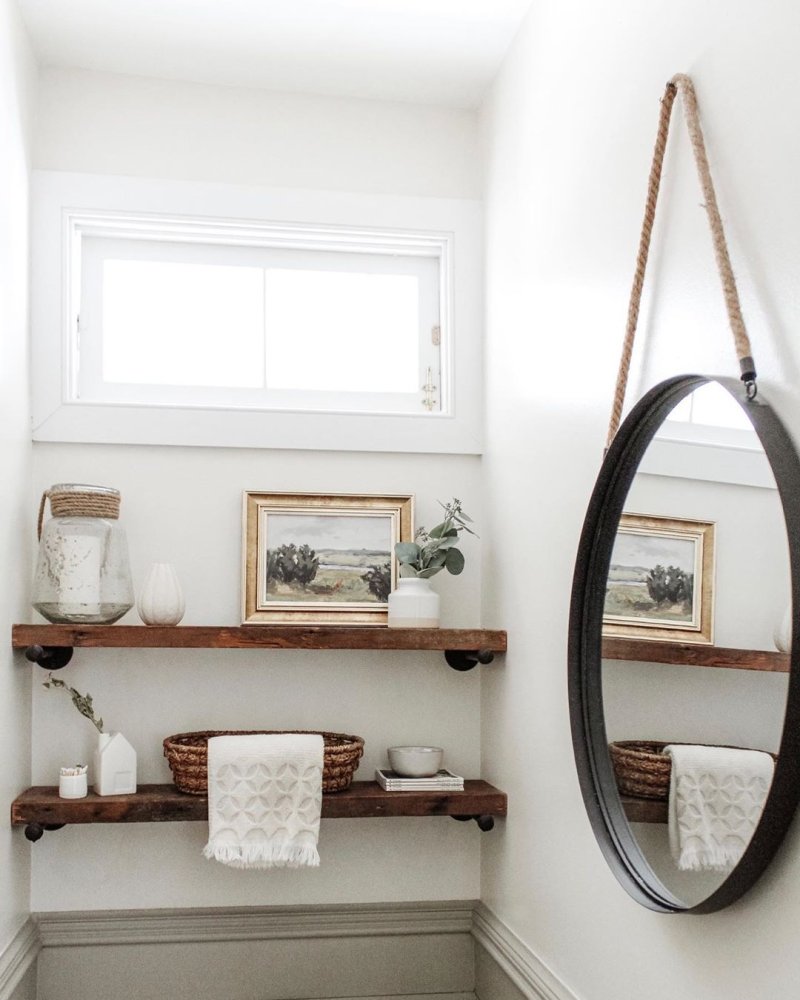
x=415 y=762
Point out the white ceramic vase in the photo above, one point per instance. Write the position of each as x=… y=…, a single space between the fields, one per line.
x=783 y=632
x=414 y=604
x=114 y=765
x=161 y=599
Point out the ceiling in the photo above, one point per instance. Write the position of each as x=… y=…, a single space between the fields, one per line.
x=431 y=51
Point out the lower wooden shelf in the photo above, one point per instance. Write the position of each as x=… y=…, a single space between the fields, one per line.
x=40 y=808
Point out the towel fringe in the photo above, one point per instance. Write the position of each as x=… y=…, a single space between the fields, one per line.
x=263 y=855
x=721 y=859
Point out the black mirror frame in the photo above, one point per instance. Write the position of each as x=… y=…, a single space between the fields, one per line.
x=590 y=744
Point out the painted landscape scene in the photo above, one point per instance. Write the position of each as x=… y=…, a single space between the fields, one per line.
x=651 y=579
x=328 y=558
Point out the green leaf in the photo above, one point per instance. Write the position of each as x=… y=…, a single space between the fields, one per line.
x=424 y=574
x=407 y=552
x=437 y=558
x=437 y=530
x=455 y=561
x=406 y=570
x=449 y=541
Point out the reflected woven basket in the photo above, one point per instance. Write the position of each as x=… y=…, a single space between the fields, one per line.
x=187 y=756
x=642 y=769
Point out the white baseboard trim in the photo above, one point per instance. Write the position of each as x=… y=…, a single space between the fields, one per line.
x=107 y=927
x=515 y=960
x=18 y=958
x=406 y=951
x=514 y=965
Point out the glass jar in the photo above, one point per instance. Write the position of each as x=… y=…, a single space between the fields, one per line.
x=82 y=573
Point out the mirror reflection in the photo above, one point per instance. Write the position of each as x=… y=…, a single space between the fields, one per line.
x=701 y=557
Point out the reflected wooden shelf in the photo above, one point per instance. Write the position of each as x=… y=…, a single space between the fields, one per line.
x=644 y=810
x=694 y=655
x=40 y=808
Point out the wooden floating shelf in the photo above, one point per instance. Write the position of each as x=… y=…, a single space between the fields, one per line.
x=695 y=655
x=644 y=810
x=256 y=637
x=41 y=806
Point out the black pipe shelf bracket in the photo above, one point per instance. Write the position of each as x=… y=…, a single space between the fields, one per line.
x=466 y=659
x=485 y=823
x=49 y=657
x=35 y=831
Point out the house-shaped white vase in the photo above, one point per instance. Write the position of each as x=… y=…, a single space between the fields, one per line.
x=114 y=765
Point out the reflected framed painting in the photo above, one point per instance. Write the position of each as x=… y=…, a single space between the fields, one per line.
x=321 y=558
x=661 y=580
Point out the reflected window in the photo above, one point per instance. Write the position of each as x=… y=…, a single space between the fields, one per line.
x=710 y=406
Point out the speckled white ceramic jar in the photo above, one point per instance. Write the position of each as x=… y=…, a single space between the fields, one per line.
x=414 y=604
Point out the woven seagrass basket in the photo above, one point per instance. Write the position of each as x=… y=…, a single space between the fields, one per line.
x=187 y=755
x=642 y=769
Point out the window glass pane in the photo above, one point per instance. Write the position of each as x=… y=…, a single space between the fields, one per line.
x=169 y=323
x=342 y=331
x=712 y=406
x=715 y=406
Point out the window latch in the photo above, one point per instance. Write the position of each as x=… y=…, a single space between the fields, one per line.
x=429 y=388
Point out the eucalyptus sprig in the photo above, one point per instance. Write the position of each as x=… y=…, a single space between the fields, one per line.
x=435 y=550
x=83 y=702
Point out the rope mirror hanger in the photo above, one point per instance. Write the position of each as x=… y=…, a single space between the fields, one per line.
x=731 y=295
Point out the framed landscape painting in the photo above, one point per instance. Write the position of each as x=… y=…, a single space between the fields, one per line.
x=321 y=558
x=660 y=583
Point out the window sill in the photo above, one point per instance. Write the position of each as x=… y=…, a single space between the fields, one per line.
x=710 y=462
x=95 y=423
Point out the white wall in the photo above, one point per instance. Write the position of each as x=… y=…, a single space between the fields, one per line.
x=569 y=130
x=17 y=92
x=109 y=124
x=183 y=505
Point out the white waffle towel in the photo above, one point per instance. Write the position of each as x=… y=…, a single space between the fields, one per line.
x=264 y=800
x=716 y=797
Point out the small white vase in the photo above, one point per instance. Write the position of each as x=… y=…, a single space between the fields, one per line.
x=114 y=765
x=783 y=632
x=161 y=599
x=415 y=604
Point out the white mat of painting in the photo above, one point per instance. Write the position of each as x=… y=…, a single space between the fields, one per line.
x=716 y=798
x=264 y=800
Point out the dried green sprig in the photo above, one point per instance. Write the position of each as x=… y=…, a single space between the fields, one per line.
x=83 y=702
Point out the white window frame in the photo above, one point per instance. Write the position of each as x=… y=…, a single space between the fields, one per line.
x=685 y=450
x=112 y=237
x=231 y=215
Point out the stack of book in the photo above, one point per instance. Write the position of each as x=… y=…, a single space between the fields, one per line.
x=442 y=781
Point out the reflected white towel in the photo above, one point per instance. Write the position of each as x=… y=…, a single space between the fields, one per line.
x=264 y=800
x=716 y=796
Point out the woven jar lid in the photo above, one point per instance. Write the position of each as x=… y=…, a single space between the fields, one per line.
x=68 y=488
x=79 y=500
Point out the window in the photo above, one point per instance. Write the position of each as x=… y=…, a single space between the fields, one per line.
x=709 y=415
x=708 y=437
x=167 y=312
x=170 y=323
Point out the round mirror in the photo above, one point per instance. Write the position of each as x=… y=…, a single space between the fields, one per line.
x=688 y=561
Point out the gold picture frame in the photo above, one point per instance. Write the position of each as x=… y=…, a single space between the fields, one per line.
x=661 y=580
x=321 y=558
